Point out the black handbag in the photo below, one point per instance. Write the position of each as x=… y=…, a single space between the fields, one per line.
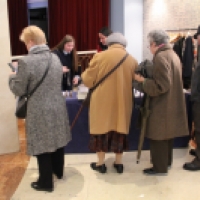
x=21 y=109
x=88 y=97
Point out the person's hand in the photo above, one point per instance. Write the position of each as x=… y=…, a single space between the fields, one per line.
x=12 y=73
x=15 y=64
x=139 y=78
x=65 y=69
x=75 y=80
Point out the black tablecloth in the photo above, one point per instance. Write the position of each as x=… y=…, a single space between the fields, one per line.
x=80 y=132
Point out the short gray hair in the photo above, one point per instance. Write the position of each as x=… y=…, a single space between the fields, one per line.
x=159 y=37
x=116 y=38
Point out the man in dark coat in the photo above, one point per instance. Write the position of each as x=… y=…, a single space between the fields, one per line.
x=195 y=97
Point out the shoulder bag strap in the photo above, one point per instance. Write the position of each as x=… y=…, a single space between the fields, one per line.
x=42 y=79
x=109 y=73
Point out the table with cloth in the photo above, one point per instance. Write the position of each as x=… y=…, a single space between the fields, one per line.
x=80 y=132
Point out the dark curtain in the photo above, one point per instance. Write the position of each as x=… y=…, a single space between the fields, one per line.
x=80 y=18
x=18 y=19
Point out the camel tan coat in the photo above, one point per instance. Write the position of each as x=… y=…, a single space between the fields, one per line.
x=112 y=101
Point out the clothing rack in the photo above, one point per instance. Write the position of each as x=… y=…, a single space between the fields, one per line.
x=184 y=29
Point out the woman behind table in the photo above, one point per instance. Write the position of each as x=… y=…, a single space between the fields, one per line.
x=47 y=125
x=167 y=118
x=103 y=34
x=67 y=54
x=111 y=103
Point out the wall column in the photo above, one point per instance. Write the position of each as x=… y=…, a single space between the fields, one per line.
x=9 y=141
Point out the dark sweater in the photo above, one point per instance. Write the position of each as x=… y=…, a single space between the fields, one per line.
x=178 y=47
x=101 y=47
x=195 y=86
x=188 y=57
x=66 y=60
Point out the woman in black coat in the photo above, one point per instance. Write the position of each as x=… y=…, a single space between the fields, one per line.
x=67 y=54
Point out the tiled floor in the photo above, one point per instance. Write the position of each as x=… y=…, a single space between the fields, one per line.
x=13 y=166
x=82 y=183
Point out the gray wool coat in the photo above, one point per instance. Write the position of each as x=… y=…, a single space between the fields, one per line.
x=47 y=124
x=168 y=117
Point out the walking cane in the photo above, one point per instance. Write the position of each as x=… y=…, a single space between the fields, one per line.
x=77 y=116
x=79 y=112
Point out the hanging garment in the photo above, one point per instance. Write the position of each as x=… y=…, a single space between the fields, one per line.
x=178 y=46
x=188 y=57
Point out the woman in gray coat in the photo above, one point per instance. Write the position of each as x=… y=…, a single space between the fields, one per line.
x=47 y=125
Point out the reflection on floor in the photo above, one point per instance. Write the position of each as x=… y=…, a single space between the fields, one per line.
x=13 y=166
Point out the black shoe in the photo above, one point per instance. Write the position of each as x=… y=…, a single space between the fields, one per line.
x=192 y=166
x=36 y=186
x=119 y=168
x=192 y=152
x=101 y=168
x=59 y=177
x=151 y=171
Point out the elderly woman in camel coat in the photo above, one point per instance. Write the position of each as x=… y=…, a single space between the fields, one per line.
x=111 y=103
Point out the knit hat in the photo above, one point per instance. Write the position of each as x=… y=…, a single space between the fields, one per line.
x=116 y=38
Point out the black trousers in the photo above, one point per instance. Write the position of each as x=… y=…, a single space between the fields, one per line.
x=196 y=119
x=49 y=164
x=161 y=154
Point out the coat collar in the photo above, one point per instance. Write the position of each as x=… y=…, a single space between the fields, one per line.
x=163 y=48
x=38 y=49
x=113 y=46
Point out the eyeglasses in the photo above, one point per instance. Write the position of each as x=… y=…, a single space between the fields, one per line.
x=149 y=45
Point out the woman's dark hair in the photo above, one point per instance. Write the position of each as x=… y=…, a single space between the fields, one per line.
x=60 y=47
x=105 y=31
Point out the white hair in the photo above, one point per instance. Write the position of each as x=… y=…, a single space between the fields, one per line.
x=159 y=37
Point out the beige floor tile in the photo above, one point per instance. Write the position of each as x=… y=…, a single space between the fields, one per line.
x=82 y=183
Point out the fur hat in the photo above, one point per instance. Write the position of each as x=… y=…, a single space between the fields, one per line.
x=116 y=38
